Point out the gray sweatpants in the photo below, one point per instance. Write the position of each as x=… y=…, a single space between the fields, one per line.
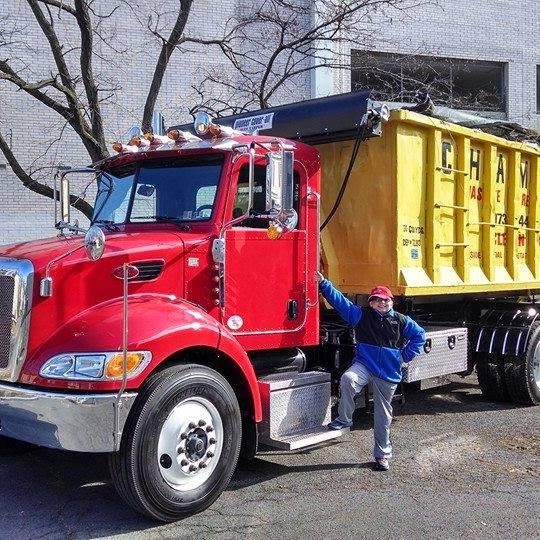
x=352 y=382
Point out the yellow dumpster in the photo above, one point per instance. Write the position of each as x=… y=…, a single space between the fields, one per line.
x=432 y=208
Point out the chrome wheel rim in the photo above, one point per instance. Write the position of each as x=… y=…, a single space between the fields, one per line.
x=536 y=365
x=190 y=444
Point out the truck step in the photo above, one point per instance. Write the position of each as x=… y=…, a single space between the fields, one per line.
x=304 y=439
x=296 y=409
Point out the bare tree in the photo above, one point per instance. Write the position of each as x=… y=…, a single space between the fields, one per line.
x=271 y=47
x=72 y=90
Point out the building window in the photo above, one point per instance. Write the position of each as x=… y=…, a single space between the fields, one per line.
x=461 y=84
x=538 y=89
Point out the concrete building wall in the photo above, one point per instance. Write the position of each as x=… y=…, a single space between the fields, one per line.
x=494 y=30
x=27 y=124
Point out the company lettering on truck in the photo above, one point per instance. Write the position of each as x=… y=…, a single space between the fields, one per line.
x=500 y=216
x=474 y=175
x=523 y=215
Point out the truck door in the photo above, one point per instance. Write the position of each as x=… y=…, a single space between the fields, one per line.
x=265 y=280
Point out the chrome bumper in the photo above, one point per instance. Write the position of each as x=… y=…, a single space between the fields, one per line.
x=78 y=422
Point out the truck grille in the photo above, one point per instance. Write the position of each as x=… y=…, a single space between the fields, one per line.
x=16 y=282
x=7 y=290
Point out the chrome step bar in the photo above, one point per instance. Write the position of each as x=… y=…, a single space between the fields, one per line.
x=305 y=439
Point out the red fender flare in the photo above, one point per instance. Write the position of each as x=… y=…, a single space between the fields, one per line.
x=157 y=323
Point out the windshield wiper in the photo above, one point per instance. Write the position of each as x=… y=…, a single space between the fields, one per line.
x=107 y=223
x=171 y=219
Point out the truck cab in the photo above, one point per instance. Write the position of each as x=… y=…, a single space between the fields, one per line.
x=146 y=337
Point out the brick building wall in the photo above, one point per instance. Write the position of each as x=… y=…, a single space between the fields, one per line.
x=491 y=30
x=495 y=30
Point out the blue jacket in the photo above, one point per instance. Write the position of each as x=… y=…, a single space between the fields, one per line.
x=383 y=341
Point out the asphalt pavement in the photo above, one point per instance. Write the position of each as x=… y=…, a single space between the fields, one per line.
x=463 y=467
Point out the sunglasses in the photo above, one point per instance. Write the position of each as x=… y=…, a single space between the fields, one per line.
x=380 y=300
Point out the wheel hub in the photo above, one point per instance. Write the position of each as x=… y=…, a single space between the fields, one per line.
x=190 y=444
x=196 y=444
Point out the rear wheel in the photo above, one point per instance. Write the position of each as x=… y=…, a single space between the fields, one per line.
x=522 y=376
x=491 y=377
x=180 y=445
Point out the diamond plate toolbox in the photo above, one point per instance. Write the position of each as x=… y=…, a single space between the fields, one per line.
x=294 y=403
x=445 y=352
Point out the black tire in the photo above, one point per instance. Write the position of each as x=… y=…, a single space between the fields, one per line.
x=522 y=381
x=491 y=377
x=10 y=447
x=148 y=471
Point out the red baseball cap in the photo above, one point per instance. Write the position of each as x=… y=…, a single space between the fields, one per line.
x=380 y=291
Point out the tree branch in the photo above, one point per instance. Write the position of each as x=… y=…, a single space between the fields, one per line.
x=34 y=185
x=163 y=61
x=60 y=5
x=85 y=27
x=76 y=119
x=33 y=89
x=56 y=50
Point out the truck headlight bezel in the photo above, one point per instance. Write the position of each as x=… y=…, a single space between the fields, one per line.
x=94 y=366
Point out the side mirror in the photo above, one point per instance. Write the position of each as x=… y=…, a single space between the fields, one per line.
x=94 y=242
x=64 y=199
x=279 y=181
x=279 y=193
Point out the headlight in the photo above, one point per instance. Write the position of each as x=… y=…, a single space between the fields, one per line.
x=95 y=366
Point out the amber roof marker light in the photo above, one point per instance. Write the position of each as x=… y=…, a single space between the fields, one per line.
x=121 y=148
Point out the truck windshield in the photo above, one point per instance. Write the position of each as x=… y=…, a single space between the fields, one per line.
x=177 y=189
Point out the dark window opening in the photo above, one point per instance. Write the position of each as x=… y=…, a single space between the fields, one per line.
x=259 y=196
x=176 y=189
x=461 y=84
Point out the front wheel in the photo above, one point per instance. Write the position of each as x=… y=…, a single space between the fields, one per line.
x=180 y=444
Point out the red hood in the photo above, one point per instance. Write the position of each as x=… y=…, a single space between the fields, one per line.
x=79 y=283
x=132 y=243
x=41 y=251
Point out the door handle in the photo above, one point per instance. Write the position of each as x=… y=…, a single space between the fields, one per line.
x=292 y=309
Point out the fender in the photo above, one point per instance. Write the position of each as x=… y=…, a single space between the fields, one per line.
x=502 y=332
x=230 y=346
x=160 y=324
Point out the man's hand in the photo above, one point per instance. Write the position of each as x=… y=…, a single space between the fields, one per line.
x=320 y=277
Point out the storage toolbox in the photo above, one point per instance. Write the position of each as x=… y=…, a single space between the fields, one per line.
x=444 y=352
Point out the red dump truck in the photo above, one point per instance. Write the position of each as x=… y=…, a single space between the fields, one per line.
x=185 y=326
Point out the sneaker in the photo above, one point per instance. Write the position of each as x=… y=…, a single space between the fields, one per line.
x=338 y=424
x=381 y=464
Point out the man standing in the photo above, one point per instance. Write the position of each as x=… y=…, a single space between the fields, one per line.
x=384 y=339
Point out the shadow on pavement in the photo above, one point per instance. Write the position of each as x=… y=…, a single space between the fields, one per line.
x=257 y=470
x=68 y=494
x=62 y=495
x=456 y=397
x=72 y=495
